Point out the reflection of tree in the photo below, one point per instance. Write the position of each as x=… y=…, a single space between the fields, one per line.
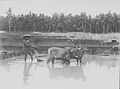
x=67 y=72
x=26 y=72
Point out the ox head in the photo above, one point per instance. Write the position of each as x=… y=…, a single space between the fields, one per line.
x=71 y=52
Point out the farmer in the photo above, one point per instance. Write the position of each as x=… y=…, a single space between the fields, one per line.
x=27 y=46
x=115 y=46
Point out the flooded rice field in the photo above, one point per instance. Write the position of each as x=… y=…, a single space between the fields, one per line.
x=95 y=72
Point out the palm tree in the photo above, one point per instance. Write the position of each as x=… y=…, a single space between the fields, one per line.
x=9 y=16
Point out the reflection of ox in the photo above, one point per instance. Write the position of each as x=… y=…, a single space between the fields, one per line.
x=58 y=54
x=67 y=72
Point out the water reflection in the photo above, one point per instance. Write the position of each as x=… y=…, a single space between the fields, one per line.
x=109 y=62
x=26 y=73
x=5 y=65
x=104 y=70
x=66 y=72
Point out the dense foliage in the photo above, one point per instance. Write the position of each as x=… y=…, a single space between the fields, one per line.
x=102 y=23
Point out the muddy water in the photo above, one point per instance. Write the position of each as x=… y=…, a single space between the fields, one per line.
x=95 y=72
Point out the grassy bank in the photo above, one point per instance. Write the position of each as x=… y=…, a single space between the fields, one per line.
x=74 y=35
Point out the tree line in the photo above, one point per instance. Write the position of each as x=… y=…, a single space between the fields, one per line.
x=102 y=23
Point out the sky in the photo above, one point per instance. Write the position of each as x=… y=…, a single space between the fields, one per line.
x=48 y=7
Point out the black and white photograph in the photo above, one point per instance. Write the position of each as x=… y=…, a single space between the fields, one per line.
x=59 y=44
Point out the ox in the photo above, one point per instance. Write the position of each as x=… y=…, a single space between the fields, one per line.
x=59 y=54
x=77 y=54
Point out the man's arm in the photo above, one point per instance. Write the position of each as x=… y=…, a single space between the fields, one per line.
x=27 y=43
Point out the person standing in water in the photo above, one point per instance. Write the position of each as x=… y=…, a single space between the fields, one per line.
x=27 y=47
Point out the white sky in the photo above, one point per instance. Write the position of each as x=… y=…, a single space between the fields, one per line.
x=49 y=7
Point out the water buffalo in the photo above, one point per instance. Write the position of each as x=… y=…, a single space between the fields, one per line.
x=57 y=53
x=77 y=54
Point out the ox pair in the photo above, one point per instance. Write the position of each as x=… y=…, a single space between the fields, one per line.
x=66 y=54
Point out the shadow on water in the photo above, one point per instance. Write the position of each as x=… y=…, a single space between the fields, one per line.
x=66 y=72
x=26 y=71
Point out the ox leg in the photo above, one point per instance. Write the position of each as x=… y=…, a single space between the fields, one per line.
x=80 y=61
x=77 y=61
x=49 y=59
x=67 y=62
x=63 y=61
x=25 y=57
x=53 y=59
